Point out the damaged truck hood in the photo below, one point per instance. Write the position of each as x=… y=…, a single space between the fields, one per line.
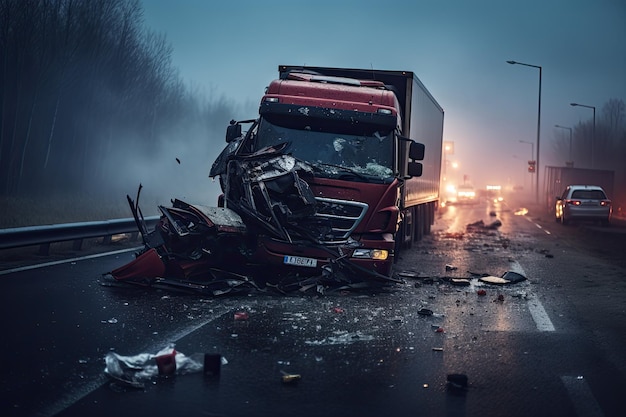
x=214 y=249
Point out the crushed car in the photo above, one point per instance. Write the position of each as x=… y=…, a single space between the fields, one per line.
x=323 y=190
x=214 y=250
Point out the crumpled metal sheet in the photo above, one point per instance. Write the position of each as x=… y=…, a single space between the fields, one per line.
x=210 y=249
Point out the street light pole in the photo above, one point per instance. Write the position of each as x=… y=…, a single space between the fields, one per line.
x=538 y=124
x=593 y=133
x=570 y=142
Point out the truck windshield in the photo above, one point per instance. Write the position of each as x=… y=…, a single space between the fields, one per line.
x=333 y=151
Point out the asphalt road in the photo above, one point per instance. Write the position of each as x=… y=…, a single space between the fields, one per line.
x=551 y=345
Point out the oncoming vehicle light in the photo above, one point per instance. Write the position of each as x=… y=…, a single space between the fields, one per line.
x=378 y=254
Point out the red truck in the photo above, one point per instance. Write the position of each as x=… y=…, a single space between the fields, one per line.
x=358 y=130
x=340 y=170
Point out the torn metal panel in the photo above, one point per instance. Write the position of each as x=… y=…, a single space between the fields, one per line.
x=216 y=250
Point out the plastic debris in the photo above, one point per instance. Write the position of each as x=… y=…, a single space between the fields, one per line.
x=425 y=312
x=457 y=381
x=338 y=310
x=481 y=292
x=508 y=277
x=438 y=349
x=134 y=371
x=439 y=330
x=451 y=268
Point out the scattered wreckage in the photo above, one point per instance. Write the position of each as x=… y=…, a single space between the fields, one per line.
x=213 y=250
x=321 y=192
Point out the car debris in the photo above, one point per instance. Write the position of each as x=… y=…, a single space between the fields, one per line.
x=509 y=277
x=211 y=250
x=457 y=381
x=480 y=225
x=134 y=371
x=212 y=364
x=318 y=195
x=288 y=378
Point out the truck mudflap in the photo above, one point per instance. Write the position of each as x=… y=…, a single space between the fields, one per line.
x=215 y=250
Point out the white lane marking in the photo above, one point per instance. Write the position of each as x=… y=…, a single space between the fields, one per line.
x=583 y=400
x=538 y=313
x=64 y=261
x=542 y=320
x=537 y=225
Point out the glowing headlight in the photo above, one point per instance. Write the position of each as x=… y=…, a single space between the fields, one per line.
x=378 y=254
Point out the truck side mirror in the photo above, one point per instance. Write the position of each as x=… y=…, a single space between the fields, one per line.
x=233 y=131
x=415 y=169
x=417 y=151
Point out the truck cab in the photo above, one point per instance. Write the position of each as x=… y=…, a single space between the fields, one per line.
x=345 y=136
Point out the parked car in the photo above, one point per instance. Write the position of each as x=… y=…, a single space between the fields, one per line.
x=583 y=202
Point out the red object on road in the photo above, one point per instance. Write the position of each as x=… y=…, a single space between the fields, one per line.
x=241 y=315
x=481 y=292
x=166 y=363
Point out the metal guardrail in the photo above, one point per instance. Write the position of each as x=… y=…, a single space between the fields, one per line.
x=45 y=235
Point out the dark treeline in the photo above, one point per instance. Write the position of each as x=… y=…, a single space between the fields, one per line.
x=83 y=79
x=606 y=142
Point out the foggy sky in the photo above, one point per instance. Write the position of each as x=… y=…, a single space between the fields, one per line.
x=457 y=48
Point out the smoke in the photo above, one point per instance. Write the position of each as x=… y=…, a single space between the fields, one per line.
x=177 y=164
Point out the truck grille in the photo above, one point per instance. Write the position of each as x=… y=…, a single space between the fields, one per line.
x=343 y=216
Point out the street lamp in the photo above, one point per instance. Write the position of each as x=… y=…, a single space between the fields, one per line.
x=532 y=148
x=538 y=123
x=593 y=134
x=532 y=153
x=570 y=143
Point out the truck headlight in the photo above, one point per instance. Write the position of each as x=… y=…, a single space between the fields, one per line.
x=378 y=254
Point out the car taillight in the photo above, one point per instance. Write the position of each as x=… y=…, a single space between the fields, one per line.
x=605 y=202
x=573 y=202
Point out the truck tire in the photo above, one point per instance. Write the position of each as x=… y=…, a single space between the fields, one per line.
x=430 y=218
x=419 y=224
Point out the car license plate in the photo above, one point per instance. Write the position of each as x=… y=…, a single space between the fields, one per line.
x=300 y=261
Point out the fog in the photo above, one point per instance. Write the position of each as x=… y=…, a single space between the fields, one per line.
x=178 y=165
x=86 y=118
x=457 y=48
